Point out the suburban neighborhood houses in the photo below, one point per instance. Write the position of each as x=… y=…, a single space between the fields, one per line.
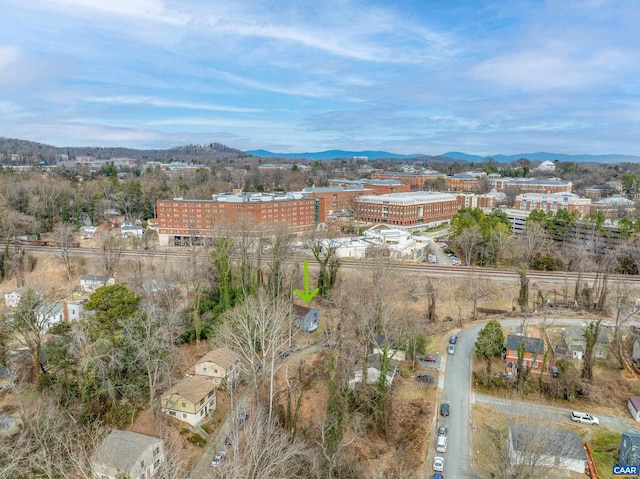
x=186 y=326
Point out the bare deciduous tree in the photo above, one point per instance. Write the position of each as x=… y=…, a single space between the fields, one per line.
x=63 y=235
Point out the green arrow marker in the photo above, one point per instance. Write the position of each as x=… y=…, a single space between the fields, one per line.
x=306 y=295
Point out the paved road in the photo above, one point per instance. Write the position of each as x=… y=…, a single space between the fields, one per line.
x=521 y=408
x=457 y=392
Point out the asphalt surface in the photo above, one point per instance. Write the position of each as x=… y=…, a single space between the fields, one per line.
x=458 y=460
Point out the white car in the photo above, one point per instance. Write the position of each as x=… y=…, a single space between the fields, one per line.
x=584 y=418
x=451 y=349
x=218 y=458
x=438 y=464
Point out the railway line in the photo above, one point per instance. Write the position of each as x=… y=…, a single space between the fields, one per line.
x=421 y=269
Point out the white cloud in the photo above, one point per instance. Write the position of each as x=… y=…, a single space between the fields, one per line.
x=153 y=10
x=161 y=103
x=9 y=55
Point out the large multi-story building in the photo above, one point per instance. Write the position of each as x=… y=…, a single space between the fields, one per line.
x=486 y=201
x=412 y=211
x=553 y=202
x=337 y=200
x=415 y=179
x=461 y=182
x=181 y=221
x=377 y=187
x=532 y=185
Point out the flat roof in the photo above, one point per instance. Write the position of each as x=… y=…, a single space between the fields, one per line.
x=412 y=198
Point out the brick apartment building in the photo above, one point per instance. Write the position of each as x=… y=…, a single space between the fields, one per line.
x=553 y=202
x=532 y=185
x=413 y=211
x=376 y=187
x=182 y=220
x=415 y=180
x=461 y=182
x=337 y=200
x=486 y=201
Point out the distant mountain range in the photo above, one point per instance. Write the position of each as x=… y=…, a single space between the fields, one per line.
x=455 y=155
x=333 y=154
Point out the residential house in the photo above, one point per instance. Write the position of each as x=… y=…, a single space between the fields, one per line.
x=131 y=229
x=90 y=282
x=90 y=231
x=49 y=313
x=221 y=365
x=127 y=454
x=306 y=318
x=634 y=407
x=12 y=298
x=158 y=288
x=191 y=400
x=576 y=343
x=374 y=370
x=541 y=446
x=629 y=449
x=533 y=352
x=635 y=355
x=389 y=345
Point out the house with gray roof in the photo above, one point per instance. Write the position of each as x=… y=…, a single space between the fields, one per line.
x=576 y=342
x=544 y=447
x=127 y=454
x=629 y=449
x=90 y=282
x=374 y=370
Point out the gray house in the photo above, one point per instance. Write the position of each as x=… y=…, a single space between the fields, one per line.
x=576 y=343
x=629 y=449
x=127 y=454
x=306 y=318
x=543 y=447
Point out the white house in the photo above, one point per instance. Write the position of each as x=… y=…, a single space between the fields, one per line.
x=90 y=282
x=12 y=298
x=374 y=371
x=131 y=229
x=634 y=407
x=543 y=447
x=220 y=365
x=127 y=454
x=191 y=400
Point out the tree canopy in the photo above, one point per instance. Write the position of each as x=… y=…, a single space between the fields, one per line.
x=490 y=342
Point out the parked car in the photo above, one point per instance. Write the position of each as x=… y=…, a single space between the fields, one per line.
x=437 y=475
x=442 y=431
x=218 y=458
x=283 y=354
x=242 y=418
x=554 y=371
x=432 y=258
x=295 y=347
x=228 y=441
x=444 y=409
x=584 y=418
x=428 y=358
x=425 y=378
x=438 y=464
x=453 y=339
x=441 y=444
x=451 y=349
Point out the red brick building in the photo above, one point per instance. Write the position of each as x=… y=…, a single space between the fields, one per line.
x=337 y=200
x=532 y=185
x=413 y=211
x=376 y=187
x=461 y=182
x=415 y=180
x=553 y=202
x=181 y=220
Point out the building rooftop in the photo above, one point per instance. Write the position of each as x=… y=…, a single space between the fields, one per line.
x=193 y=388
x=413 y=198
x=122 y=449
x=532 y=345
x=547 y=441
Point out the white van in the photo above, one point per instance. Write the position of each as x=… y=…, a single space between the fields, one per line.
x=441 y=445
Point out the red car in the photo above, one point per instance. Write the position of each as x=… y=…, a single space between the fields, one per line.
x=429 y=358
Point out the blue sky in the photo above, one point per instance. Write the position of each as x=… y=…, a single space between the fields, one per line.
x=410 y=76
